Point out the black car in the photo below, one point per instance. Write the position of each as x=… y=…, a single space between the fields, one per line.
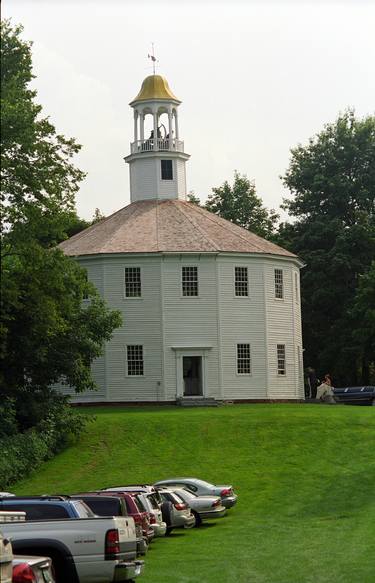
x=355 y=395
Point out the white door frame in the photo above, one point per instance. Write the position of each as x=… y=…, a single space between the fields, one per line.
x=180 y=353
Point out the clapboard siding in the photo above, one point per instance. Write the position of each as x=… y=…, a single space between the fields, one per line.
x=141 y=325
x=190 y=321
x=143 y=179
x=242 y=321
x=281 y=329
x=167 y=324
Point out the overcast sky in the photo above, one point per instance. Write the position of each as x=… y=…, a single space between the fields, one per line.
x=255 y=79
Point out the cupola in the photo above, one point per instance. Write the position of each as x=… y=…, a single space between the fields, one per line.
x=157 y=158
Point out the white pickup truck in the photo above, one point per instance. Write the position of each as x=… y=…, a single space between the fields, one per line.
x=85 y=550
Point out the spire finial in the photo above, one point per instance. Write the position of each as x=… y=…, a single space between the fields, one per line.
x=152 y=57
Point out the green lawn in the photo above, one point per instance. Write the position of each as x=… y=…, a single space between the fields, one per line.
x=305 y=476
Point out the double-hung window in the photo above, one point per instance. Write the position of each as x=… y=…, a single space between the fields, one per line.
x=189 y=281
x=279 y=284
x=281 y=366
x=241 y=283
x=133 y=284
x=243 y=359
x=135 y=364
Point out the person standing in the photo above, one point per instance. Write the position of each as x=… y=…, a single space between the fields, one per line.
x=312 y=382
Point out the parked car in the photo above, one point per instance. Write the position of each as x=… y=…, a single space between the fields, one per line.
x=203 y=488
x=32 y=570
x=6 y=558
x=109 y=542
x=149 y=499
x=46 y=507
x=176 y=513
x=202 y=507
x=113 y=506
x=355 y=395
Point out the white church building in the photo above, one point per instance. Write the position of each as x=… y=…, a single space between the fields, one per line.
x=210 y=310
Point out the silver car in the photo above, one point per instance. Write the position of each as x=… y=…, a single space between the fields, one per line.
x=149 y=503
x=202 y=488
x=202 y=507
x=176 y=513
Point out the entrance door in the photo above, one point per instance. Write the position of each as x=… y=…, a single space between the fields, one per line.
x=192 y=371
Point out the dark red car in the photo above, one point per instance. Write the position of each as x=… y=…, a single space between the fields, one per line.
x=140 y=516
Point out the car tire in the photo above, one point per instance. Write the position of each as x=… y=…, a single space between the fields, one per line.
x=168 y=531
x=373 y=403
x=198 y=520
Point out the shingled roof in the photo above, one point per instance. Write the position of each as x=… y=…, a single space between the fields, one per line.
x=156 y=226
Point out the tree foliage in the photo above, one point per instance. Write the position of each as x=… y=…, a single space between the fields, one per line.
x=241 y=205
x=332 y=181
x=47 y=332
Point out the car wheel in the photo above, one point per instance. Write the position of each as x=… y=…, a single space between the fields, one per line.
x=198 y=520
x=373 y=403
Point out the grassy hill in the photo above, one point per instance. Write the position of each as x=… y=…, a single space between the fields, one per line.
x=305 y=476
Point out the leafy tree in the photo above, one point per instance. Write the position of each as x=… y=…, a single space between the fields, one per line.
x=241 y=205
x=46 y=332
x=332 y=180
x=193 y=199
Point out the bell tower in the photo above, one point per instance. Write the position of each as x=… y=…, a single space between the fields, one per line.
x=157 y=158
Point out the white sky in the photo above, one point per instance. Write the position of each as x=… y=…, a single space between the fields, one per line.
x=255 y=79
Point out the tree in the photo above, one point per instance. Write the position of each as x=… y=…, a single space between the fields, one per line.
x=332 y=180
x=241 y=205
x=193 y=199
x=47 y=333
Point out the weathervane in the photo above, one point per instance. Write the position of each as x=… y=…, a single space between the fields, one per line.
x=153 y=58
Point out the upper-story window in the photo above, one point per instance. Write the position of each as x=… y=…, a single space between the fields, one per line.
x=133 y=286
x=243 y=359
x=296 y=287
x=241 y=283
x=281 y=365
x=166 y=170
x=190 y=281
x=135 y=360
x=279 y=284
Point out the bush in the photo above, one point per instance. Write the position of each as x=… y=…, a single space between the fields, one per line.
x=23 y=453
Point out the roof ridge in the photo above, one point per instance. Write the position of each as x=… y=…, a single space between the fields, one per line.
x=196 y=224
x=226 y=224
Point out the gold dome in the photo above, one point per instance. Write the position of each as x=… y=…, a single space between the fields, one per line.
x=154 y=87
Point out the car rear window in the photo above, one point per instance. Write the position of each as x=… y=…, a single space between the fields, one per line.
x=82 y=509
x=39 y=511
x=153 y=500
x=175 y=498
x=105 y=507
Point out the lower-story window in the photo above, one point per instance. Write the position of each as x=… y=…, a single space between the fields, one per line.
x=135 y=360
x=281 y=367
x=243 y=359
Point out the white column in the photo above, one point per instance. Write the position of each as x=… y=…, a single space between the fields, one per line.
x=176 y=124
x=135 y=125
x=155 y=130
x=170 y=128
x=142 y=125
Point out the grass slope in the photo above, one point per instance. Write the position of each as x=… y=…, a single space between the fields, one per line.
x=305 y=476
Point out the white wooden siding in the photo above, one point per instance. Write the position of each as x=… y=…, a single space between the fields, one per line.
x=190 y=321
x=242 y=321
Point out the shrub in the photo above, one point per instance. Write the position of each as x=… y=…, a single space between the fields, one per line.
x=22 y=453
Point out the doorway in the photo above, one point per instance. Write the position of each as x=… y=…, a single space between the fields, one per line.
x=192 y=374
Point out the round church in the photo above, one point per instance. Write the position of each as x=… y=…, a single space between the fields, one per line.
x=211 y=312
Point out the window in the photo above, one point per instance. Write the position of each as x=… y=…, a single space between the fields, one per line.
x=241 y=287
x=279 y=288
x=133 y=288
x=190 y=281
x=166 y=170
x=135 y=360
x=243 y=359
x=296 y=287
x=281 y=359
x=85 y=295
